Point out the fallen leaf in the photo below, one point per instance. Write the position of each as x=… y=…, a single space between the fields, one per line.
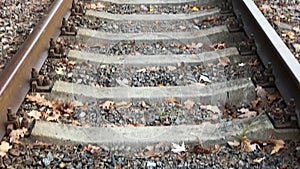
x=54 y=117
x=138 y=125
x=15 y=135
x=40 y=100
x=60 y=70
x=170 y=100
x=233 y=143
x=76 y=123
x=224 y=61
x=194 y=45
x=189 y=104
x=151 y=9
x=71 y=63
x=144 y=104
x=199 y=149
x=35 y=114
x=196 y=21
x=259 y=160
x=246 y=145
x=178 y=148
x=255 y=102
x=220 y=45
x=246 y=113
x=144 y=8
x=210 y=19
x=276 y=149
x=211 y=108
x=91 y=149
x=273 y=97
x=276 y=142
x=69 y=75
x=4 y=147
x=107 y=105
x=291 y=35
x=195 y=8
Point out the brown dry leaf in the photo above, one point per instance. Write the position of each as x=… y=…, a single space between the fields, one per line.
x=94 y=5
x=107 y=105
x=246 y=145
x=220 y=45
x=35 y=114
x=277 y=142
x=40 y=100
x=4 y=147
x=16 y=134
x=255 y=102
x=91 y=149
x=273 y=97
x=233 y=143
x=76 y=123
x=196 y=21
x=170 y=100
x=138 y=125
x=189 y=104
x=224 y=61
x=71 y=63
x=247 y=113
x=54 y=117
x=209 y=19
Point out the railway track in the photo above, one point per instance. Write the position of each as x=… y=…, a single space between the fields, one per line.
x=140 y=73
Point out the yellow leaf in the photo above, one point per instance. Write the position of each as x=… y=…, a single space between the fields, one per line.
x=276 y=148
x=151 y=9
x=291 y=35
x=195 y=8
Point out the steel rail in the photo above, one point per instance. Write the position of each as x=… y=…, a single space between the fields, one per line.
x=15 y=78
x=272 y=49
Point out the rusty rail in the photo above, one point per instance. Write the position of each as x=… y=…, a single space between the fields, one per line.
x=272 y=49
x=14 y=80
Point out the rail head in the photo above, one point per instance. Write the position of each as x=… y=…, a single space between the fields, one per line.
x=271 y=48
